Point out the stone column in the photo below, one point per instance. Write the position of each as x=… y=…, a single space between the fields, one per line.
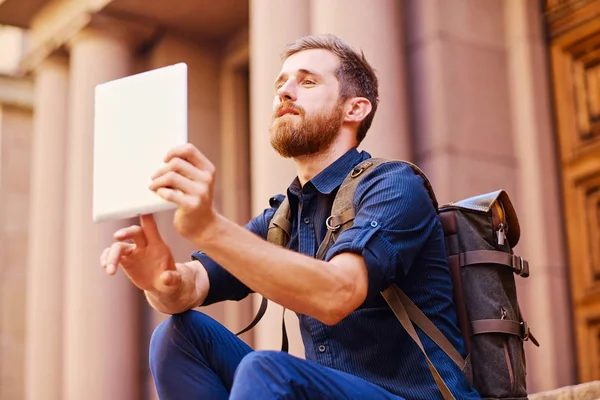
x=16 y=125
x=377 y=30
x=273 y=24
x=460 y=105
x=43 y=373
x=101 y=311
x=545 y=296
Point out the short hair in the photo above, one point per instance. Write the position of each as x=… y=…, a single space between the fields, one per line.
x=356 y=76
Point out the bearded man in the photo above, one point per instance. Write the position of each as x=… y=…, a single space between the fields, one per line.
x=325 y=99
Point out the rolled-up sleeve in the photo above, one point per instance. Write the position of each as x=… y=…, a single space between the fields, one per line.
x=394 y=219
x=223 y=285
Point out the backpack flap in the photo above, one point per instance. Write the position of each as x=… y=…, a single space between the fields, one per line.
x=499 y=203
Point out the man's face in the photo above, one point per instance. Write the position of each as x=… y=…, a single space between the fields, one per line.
x=307 y=111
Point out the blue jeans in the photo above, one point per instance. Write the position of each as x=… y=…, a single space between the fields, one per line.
x=192 y=357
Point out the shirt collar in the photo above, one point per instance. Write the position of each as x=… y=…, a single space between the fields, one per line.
x=332 y=176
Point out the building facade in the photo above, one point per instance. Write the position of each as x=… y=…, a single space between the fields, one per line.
x=481 y=94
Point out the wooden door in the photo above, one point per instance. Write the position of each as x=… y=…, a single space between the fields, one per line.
x=574 y=39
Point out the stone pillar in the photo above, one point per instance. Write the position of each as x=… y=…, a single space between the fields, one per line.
x=101 y=312
x=544 y=297
x=43 y=376
x=273 y=24
x=15 y=157
x=460 y=105
x=377 y=30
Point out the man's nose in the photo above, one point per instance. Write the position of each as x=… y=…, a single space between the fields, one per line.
x=287 y=92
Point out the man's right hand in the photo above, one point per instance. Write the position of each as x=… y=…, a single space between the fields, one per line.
x=147 y=262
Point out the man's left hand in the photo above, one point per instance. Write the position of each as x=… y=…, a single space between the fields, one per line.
x=187 y=179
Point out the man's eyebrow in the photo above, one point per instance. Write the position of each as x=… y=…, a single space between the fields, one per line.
x=301 y=71
x=309 y=72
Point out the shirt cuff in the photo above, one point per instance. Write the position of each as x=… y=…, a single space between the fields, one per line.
x=378 y=254
x=222 y=285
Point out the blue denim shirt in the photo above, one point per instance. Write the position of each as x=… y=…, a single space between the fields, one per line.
x=397 y=232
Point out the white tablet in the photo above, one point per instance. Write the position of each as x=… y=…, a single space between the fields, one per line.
x=137 y=120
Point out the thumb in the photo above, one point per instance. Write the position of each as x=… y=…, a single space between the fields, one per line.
x=150 y=228
x=169 y=281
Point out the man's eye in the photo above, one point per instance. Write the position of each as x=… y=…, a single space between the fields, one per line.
x=308 y=82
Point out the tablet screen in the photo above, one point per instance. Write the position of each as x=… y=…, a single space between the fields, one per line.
x=137 y=120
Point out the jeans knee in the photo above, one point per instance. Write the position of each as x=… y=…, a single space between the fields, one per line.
x=170 y=333
x=260 y=361
x=264 y=375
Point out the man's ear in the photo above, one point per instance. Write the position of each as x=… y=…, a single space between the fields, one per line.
x=357 y=109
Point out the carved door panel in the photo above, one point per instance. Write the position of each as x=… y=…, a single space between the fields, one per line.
x=574 y=33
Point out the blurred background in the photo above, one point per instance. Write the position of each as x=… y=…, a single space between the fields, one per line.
x=482 y=94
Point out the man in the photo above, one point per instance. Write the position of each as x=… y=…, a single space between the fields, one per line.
x=325 y=100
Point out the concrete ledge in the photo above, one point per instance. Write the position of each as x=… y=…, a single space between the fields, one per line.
x=584 y=391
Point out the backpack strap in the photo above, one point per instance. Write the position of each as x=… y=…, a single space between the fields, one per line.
x=280 y=227
x=342 y=211
x=259 y=314
x=396 y=299
x=279 y=233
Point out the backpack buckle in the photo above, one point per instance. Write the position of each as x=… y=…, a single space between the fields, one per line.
x=329 y=226
x=525 y=333
x=360 y=168
x=521 y=267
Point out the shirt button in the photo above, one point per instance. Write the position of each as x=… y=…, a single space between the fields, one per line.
x=373 y=224
x=322 y=348
x=307 y=220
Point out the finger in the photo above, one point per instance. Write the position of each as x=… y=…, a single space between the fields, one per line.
x=174 y=196
x=181 y=166
x=190 y=153
x=103 y=257
x=169 y=281
x=134 y=233
x=111 y=269
x=173 y=180
x=117 y=250
x=148 y=224
x=208 y=165
x=170 y=178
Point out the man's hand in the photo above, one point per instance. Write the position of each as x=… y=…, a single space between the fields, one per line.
x=187 y=179
x=147 y=261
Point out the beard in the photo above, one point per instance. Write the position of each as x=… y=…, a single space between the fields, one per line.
x=298 y=135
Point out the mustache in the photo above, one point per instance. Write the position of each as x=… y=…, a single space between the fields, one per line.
x=290 y=106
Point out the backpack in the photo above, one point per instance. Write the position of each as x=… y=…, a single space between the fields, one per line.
x=479 y=233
